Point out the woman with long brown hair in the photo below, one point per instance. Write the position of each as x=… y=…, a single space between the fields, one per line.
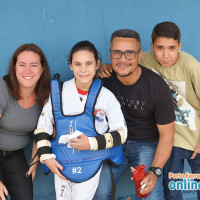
x=23 y=91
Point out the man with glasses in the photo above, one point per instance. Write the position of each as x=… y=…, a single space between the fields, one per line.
x=147 y=105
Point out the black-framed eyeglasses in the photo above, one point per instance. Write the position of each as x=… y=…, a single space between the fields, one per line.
x=129 y=54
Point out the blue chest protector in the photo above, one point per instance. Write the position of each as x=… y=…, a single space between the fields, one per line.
x=78 y=165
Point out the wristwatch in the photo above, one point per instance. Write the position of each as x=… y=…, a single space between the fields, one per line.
x=156 y=170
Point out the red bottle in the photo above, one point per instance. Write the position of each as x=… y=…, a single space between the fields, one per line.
x=139 y=174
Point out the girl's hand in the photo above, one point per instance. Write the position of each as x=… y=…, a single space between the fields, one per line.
x=80 y=143
x=3 y=191
x=54 y=166
x=32 y=170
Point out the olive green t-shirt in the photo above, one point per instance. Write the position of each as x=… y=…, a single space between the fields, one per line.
x=184 y=78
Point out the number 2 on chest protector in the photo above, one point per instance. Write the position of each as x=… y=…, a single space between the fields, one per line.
x=76 y=170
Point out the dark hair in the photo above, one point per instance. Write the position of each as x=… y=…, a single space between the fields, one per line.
x=84 y=45
x=166 y=29
x=43 y=85
x=126 y=33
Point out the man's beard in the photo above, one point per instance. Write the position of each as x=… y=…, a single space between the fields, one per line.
x=124 y=75
x=128 y=74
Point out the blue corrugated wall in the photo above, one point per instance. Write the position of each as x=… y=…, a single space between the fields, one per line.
x=56 y=25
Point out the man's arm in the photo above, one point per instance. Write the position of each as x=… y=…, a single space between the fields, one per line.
x=163 y=151
x=195 y=76
x=165 y=144
x=196 y=150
